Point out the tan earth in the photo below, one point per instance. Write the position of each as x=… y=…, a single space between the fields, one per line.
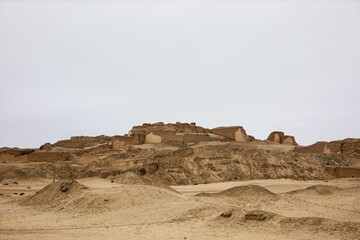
x=181 y=181
x=94 y=208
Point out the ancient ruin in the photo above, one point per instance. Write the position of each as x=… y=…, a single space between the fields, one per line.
x=145 y=148
x=178 y=134
x=281 y=138
x=337 y=147
x=174 y=172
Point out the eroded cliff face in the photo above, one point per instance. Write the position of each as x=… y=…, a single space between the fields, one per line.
x=202 y=156
x=201 y=163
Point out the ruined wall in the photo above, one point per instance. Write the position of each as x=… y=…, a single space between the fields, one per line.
x=178 y=133
x=318 y=147
x=171 y=137
x=120 y=142
x=289 y=140
x=137 y=139
x=235 y=133
x=47 y=157
x=345 y=146
x=14 y=154
x=240 y=135
x=337 y=147
x=178 y=127
x=7 y=157
x=153 y=138
x=334 y=147
x=83 y=141
x=275 y=136
x=206 y=137
x=350 y=146
x=281 y=138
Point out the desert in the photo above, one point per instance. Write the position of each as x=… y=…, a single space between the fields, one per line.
x=181 y=181
x=181 y=119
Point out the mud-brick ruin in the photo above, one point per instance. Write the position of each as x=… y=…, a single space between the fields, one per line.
x=179 y=134
x=280 y=137
x=170 y=152
x=182 y=134
x=338 y=147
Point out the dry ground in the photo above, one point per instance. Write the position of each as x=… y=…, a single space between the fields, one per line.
x=259 y=209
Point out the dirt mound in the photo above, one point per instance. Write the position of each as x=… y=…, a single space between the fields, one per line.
x=130 y=177
x=248 y=192
x=54 y=193
x=69 y=195
x=318 y=190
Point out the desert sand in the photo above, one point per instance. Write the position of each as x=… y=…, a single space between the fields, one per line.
x=94 y=208
x=181 y=181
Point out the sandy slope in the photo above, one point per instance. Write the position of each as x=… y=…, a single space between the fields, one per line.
x=261 y=209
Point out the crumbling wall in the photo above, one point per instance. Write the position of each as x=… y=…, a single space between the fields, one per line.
x=289 y=140
x=185 y=133
x=334 y=147
x=83 y=142
x=350 y=146
x=137 y=139
x=317 y=147
x=240 y=135
x=206 y=137
x=47 y=157
x=178 y=133
x=152 y=138
x=171 y=137
x=281 y=138
x=275 y=136
x=235 y=133
x=15 y=154
x=120 y=142
x=8 y=157
x=337 y=147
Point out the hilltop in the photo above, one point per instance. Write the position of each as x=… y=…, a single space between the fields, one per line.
x=183 y=153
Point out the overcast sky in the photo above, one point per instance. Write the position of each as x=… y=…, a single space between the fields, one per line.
x=99 y=67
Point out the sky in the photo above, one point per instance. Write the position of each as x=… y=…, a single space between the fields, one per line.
x=70 y=68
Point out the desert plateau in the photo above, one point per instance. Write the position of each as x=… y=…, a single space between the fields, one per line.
x=181 y=181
